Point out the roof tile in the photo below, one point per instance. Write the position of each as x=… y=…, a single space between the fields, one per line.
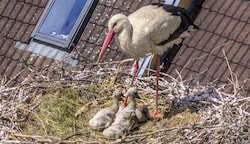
x=196 y=58
x=1 y=59
x=206 y=23
x=245 y=75
x=233 y=7
x=241 y=10
x=106 y=15
x=17 y=69
x=216 y=21
x=189 y=74
x=230 y=27
x=242 y=56
x=10 y=68
x=98 y=13
x=209 y=60
x=7 y=27
x=217 y=5
x=39 y=61
x=196 y=38
x=213 y=68
x=172 y=70
x=208 y=3
x=47 y=62
x=237 y=30
x=14 y=29
x=3 y=4
x=3 y=22
x=28 y=1
x=218 y=47
x=14 y=13
x=234 y=49
x=9 y=8
x=223 y=24
x=203 y=41
x=2 y=40
x=4 y=65
x=223 y=71
x=24 y=56
x=17 y=55
x=42 y=3
x=30 y=15
x=133 y=6
x=247 y=40
x=185 y=55
x=21 y=32
x=210 y=44
x=10 y=52
x=244 y=59
x=23 y=75
x=226 y=6
x=5 y=47
x=245 y=16
x=244 y=33
x=122 y=5
x=36 y=2
x=21 y=16
x=108 y=3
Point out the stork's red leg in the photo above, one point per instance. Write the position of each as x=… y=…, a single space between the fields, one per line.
x=156 y=111
x=136 y=66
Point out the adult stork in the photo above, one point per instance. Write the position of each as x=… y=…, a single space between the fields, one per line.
x=151 y=29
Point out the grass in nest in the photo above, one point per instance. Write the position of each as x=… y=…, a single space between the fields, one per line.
x=56 y=114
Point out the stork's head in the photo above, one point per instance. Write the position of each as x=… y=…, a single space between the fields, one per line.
x=132 y=93
x=115 y=26
x=117 y=94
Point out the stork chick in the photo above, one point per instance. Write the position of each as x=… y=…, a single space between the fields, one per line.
x=106 y=116
x=126 y=119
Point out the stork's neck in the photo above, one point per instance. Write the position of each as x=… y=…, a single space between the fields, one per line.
x=132 y=104
x=124 y=37
x=115 y=105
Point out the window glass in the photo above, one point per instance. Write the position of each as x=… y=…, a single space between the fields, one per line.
x=61 y=18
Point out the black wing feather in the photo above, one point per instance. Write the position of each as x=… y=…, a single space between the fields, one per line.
x=186 y=20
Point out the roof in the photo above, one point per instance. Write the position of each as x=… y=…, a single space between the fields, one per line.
x=224 y=25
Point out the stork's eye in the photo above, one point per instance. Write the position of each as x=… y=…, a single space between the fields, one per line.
x=114 y=24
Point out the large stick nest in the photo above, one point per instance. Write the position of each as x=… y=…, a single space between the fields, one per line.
x=57 y=110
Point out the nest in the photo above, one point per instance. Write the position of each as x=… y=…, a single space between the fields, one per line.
x=57 y=110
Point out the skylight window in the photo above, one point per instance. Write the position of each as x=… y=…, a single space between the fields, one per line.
x=63 y=21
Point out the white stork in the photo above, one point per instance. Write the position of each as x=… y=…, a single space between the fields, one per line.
x=149 y=30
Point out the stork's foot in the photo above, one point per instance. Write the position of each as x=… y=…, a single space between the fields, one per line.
x=156 y=114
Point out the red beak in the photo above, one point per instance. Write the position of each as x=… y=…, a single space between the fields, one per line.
x=106 y=42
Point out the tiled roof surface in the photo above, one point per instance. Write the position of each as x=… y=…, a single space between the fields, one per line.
x=224 y=25
x=17 y=21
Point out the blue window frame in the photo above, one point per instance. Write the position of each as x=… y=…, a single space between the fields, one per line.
x=63 y=22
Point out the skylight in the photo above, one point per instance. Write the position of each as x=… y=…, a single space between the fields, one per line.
x=63 y=22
